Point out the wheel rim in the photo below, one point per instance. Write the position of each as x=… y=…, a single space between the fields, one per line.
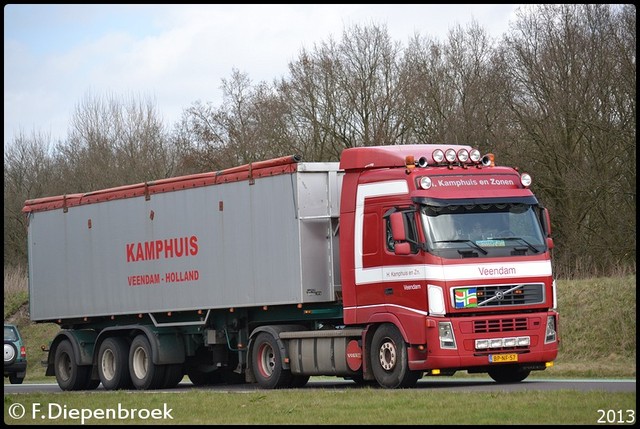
x=108 y=365
x=64 y=366
x=387 y=355
x=140 y=362
x=267 y=360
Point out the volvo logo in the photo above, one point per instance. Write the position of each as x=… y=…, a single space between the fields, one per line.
x=499 y=295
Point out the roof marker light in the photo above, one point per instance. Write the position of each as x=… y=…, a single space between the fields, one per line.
x=474 y=155
x=463 y=155
x=450 y=154
x=409 y=161
x=438 y=156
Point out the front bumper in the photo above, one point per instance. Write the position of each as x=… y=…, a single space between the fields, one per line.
x=468 y=330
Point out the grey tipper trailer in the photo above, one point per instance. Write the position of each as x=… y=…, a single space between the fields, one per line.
x=180 y=245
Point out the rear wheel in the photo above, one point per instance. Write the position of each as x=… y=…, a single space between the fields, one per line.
x=144 y=373
x=113 y=363
x=266 y=362
x=508 y=373
x=389 y=359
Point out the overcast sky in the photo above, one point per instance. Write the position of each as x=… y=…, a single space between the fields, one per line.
x=55 y=55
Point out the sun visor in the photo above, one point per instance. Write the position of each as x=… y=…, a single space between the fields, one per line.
x=442 y=202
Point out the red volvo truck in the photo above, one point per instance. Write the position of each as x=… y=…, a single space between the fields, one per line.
x=396 y=263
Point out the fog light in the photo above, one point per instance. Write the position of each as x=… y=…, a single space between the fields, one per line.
x=495 y=343
x=509 y=342
x=482 y=344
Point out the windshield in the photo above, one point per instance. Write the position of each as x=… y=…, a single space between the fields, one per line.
x=482 y=227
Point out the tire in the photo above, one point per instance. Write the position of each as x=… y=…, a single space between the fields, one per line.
x=172 y=376
x=113 y=364
x=93 y=384
x=299 y=380
x=201 y=378
x=266 y=363
x=389 y=359
x=14 y=379
x=145 y=375
x=69 y=375
x=360 y=381
x=10 y=353
x=508 y=374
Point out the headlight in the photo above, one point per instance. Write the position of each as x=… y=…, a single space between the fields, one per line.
x=445 y=332
x=550 y=334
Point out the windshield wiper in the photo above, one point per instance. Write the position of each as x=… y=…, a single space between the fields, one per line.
x=469 y=242
x=529 y=245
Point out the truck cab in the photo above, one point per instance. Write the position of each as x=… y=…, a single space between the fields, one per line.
x=452 y=253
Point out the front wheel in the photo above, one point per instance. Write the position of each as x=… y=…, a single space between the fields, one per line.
x=389 y=359
x=508 y=373
x=266 y=362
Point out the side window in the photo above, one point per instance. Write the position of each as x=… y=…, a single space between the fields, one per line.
x=411 y=231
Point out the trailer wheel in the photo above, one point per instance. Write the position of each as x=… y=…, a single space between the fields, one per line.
x=173 y=376
x=144 y=373
x=266 y=363
x=113 y=363
x=508 y=373
x=69 y=375
x=389 y=359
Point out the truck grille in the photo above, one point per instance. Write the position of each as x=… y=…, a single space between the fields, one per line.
x=504 y=295
x=500 y=325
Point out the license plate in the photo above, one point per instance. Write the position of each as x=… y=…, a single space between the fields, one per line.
x=512 y=357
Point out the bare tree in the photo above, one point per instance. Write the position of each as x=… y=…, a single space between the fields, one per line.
x=114 y=141
x=453 y=90
x=28 y=173
x=247 y=127
x=572 y=76
x=556 y=96
x=347 y=94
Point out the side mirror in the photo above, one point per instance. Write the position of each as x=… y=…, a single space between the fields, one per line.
x=547 y=221
x=397 y=227
x=402 y=249
x=550 y=243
